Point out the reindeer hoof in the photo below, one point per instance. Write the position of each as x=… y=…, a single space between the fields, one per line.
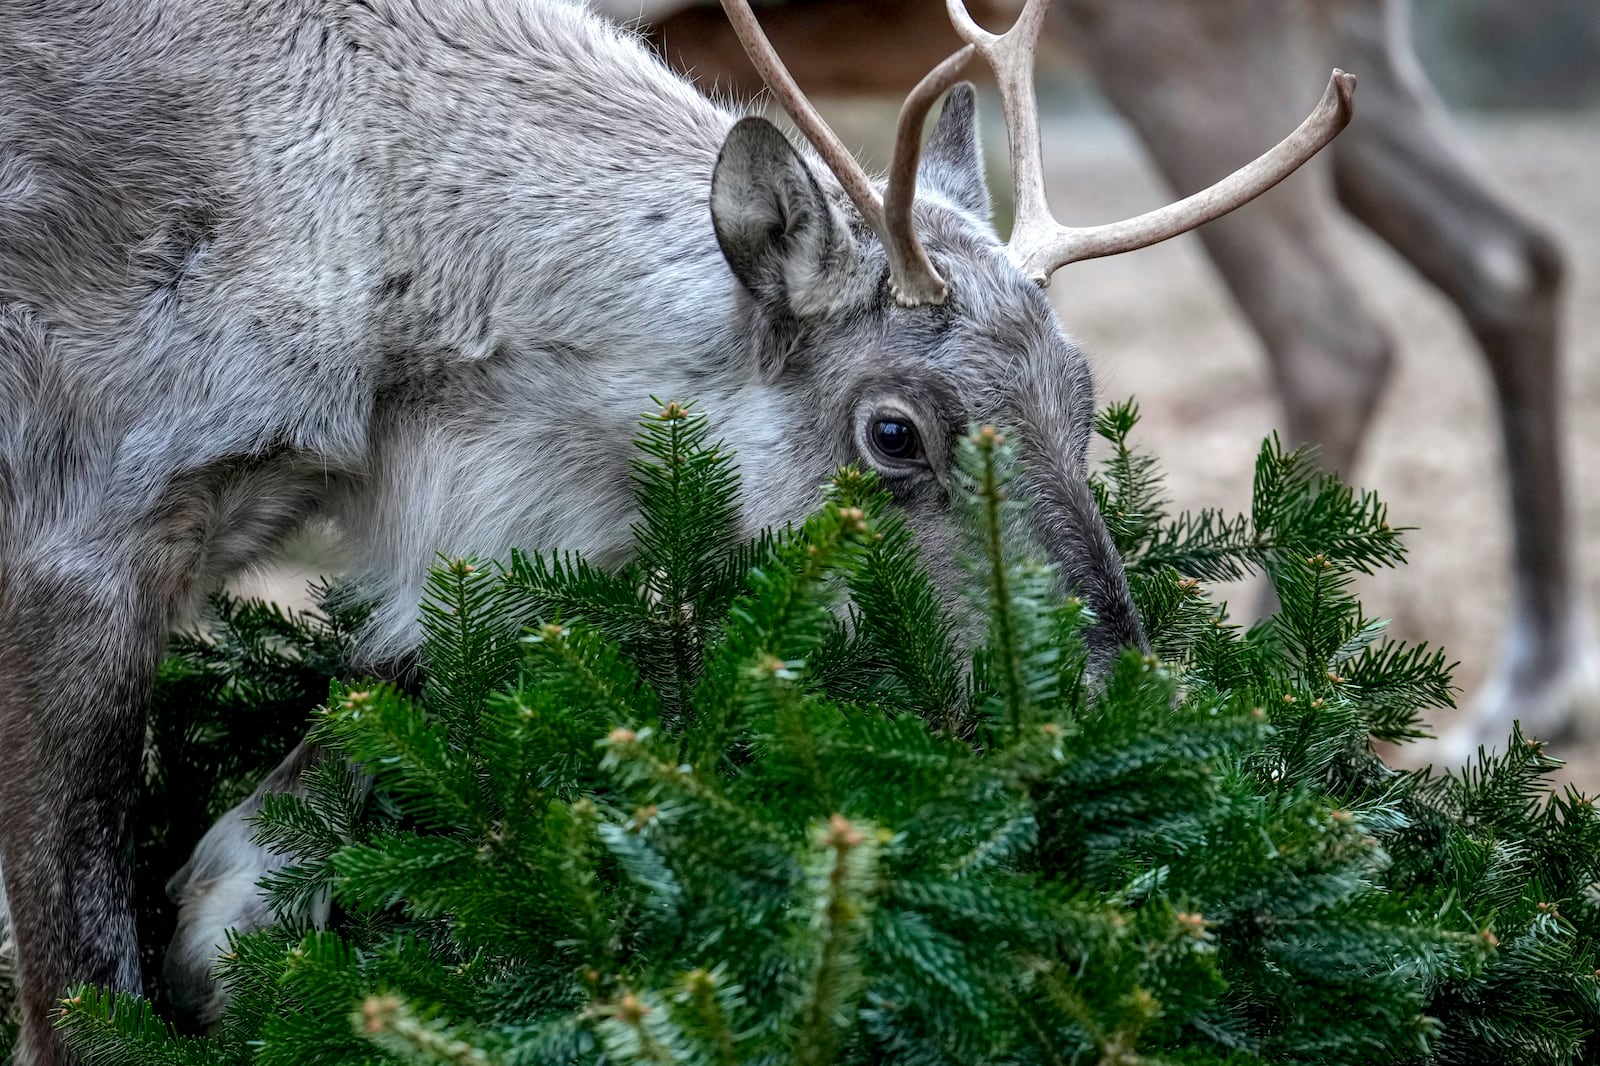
x=1552 y=687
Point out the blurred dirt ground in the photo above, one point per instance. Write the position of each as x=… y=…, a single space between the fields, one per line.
x=1159 y=326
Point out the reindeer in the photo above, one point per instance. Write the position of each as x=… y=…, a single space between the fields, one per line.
x=411 y=267
x=1201 y=83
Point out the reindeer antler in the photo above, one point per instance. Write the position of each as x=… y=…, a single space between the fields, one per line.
x=912 y=277
x=1039 y=244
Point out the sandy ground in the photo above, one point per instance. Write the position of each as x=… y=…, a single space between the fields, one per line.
x=1159 y=326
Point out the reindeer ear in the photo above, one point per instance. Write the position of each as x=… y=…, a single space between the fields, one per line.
x=785 y=242
x=952 y=160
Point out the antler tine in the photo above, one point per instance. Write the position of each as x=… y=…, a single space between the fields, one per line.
x=912 y=278
x=1040 y=245
x=1011 y=55
x=1049 y=252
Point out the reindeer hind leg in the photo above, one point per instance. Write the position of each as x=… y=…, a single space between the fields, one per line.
x=1205 y=86
x=1402 y=171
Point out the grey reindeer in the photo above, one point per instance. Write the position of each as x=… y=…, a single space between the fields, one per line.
x=410 y=267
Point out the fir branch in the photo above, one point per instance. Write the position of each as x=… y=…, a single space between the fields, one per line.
x=983 y=463
x=106 y=1027
x=842 y=880
x=637 y=1029
x=687 y=492
x=772 y=628
x=405 y=752
x=469 y=646
x=391 y=1024
x=708 y=1002
x=900 y=615
x=1129 y=492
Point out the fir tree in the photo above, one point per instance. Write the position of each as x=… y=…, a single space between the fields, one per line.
x=754 y=803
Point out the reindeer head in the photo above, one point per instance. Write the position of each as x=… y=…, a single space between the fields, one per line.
x=905 y=314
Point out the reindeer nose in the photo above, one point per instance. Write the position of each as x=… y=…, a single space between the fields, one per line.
x=1117 y=624
x=1075 y=536
x=1117 y=619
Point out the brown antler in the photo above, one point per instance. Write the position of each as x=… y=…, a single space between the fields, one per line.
x=912 y=278
x=1040 y=245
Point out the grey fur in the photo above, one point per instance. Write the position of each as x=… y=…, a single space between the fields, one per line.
x=415 y=267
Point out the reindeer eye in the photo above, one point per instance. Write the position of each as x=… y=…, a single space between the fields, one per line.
x=895 y=438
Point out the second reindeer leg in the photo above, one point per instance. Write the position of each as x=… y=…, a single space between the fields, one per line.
x=1206 y=84
x=1403 y=172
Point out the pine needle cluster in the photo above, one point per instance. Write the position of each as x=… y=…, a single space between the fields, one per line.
x=768 y=802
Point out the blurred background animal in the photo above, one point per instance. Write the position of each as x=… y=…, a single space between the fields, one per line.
x=1204 y=84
